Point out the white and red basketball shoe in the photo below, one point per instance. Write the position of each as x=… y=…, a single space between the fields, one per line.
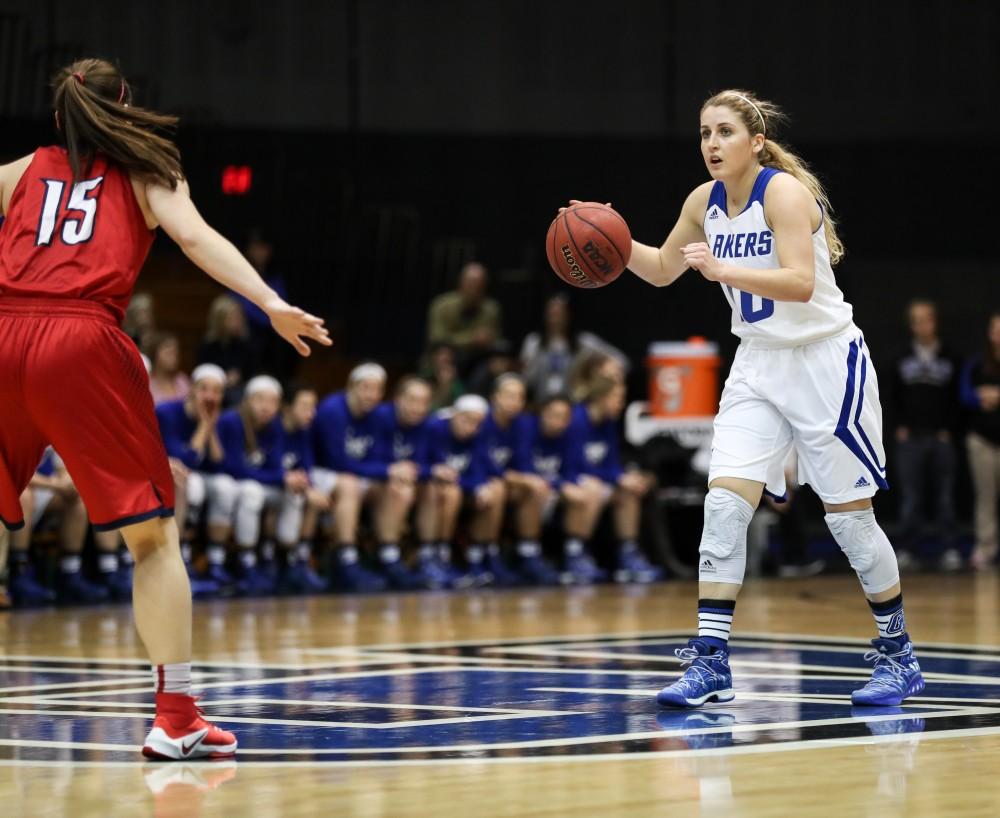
x=181 y=732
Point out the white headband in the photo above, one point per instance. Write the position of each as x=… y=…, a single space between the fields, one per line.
x=366 y=372
x=262 y=383
x=471 y=403
x=209 y=372
x=763 y=122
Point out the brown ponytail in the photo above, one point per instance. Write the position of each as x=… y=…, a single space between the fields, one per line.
x=94 y=115
x=763 y=117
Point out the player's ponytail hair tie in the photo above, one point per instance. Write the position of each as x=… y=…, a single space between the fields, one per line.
x=763 y=122
x=79 y=77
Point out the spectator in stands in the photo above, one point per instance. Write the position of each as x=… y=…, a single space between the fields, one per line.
x=595 y=429
x=349 y=468
x=547 y=356
x=497 y=360
x=981 y=395
x=442 y=374
x=460 y=470
x=925 y=404
x=253 y=444
x=139 y=321
x=504 y=426
x=226 y=345
x=272 y=354
x=465 y=318
x=51 y=493
x=189 y=429
x=166 y=380
x=402 y=439
x=590 y=366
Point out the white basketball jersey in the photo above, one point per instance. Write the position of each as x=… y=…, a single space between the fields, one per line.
x=746 y=241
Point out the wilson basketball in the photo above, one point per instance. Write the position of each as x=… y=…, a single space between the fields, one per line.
x=588 y=245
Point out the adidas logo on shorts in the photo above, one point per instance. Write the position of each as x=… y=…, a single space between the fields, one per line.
x=707 y=566
x=861 y=482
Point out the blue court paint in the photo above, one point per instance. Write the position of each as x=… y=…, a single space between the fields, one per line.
x=564 y=697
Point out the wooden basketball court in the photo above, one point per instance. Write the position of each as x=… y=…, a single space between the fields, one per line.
x=512 y=703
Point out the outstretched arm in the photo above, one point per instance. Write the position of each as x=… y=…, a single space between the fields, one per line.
x=217 y=256
x=10 y=175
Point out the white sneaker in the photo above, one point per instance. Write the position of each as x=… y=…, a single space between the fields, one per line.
x=951 y=560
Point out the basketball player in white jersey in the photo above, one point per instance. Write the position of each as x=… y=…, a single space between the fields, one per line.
x=802 y=378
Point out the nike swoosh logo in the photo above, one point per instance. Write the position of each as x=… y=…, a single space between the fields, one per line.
x=187 y=748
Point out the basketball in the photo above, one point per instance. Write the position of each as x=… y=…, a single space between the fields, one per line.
x=588 y=245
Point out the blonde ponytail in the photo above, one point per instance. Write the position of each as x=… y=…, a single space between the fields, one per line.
x=777 y=156
x=761 y=116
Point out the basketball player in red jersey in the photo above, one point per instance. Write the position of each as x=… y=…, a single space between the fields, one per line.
x=80 y=219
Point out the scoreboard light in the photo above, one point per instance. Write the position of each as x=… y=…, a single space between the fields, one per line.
x=236 y=180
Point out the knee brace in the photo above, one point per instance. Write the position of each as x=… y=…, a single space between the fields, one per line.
x=723 y=547
x=289 y=525
x=867 y=548
x=222 y=494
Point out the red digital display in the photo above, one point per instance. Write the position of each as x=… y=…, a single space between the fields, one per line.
x=236 y=180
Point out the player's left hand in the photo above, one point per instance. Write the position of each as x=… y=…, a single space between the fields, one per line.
x=699 y=257
x=293 y=324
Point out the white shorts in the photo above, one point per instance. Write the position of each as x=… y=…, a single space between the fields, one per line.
x=820 y=399
x=323 y=480
x=42 y=499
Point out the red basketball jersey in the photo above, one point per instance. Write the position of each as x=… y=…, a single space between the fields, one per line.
x=61 y=240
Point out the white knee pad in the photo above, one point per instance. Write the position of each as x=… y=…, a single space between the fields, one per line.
x=724 y=538
x=248 y=509
x=222 y=492
x=867 y=548
x=195 y=492
x=290 y=512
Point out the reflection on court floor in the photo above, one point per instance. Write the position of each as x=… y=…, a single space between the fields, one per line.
x=496 y=699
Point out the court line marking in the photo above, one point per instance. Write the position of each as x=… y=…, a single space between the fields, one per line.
x=681 y=634
x=743 y=749
x=39 y=669
x=148 y=685
x=764 y=696
x=326 y=725
x=938 y=678
x=565 y=742
x=776 y=645
x=734 y=662
x=361 y=674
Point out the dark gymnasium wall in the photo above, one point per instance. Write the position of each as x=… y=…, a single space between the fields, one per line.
x=392 y=140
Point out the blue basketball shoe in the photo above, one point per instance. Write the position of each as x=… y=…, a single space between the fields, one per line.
x=634 y=567
x=581 y=569
x=707 y=678
x=896 y=676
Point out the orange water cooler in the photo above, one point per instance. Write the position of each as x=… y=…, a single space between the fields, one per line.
x=683 y=378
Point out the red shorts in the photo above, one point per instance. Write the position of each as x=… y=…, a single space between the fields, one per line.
x=71 y=378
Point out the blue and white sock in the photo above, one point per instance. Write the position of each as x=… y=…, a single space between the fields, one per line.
x=715 y=621
x=889 y=618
